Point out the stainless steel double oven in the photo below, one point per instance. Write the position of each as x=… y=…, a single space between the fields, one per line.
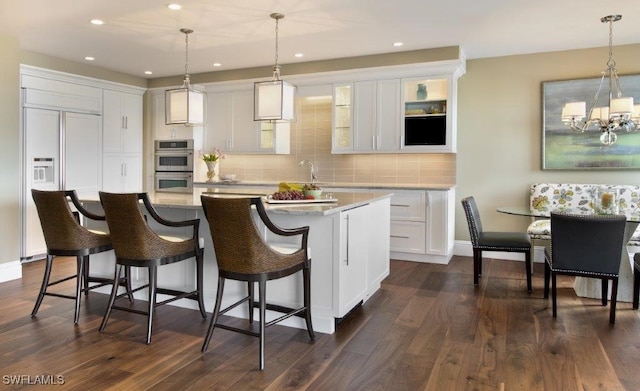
x=174 y=166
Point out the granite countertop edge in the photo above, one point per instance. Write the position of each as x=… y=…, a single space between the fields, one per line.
x=345 y=200
x=391 y=186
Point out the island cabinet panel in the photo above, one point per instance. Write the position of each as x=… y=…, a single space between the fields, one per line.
x=351 y=271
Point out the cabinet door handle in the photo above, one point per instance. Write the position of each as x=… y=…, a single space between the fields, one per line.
x=400 y=205
x=399 y=236
x=126 y=122
x=347 y=244
x=124 y=169
x=373 y=142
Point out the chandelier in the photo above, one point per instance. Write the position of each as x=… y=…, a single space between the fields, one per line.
x=184 y=105
x=619 y=114
x=274 y=99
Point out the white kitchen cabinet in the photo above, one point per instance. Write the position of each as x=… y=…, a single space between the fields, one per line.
x=428 y=114
x=422 y=225
x=352 y=260
x=231 y=128
x=342 y=135
x=122 y=141
x=366 y=117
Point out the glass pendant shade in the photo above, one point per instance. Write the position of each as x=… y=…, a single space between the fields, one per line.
x=574 y=110
x=621 y=106
x=184 y=106
x=274 y=101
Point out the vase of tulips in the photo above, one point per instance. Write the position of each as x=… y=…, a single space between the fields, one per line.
x=212 y=161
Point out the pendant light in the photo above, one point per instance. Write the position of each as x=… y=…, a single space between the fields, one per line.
x=184 y=105
x=617 y=113
x=274 y=99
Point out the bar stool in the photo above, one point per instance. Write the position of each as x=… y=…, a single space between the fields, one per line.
x=242 y=254
x=137 y=245
x=65 y=236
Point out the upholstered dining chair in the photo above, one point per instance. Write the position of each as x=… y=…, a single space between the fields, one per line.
x=481 y=240
x=586 y=246
x=65 y=236
x=242 y=254
x=136 y=244
x=636 y=280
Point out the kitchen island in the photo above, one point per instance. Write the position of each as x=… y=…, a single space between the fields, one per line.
x=348 y=238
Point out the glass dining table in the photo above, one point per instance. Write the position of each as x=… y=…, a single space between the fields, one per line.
x=590 y=287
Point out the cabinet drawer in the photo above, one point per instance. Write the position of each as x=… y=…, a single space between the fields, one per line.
x=408 y=205
x=408 y=237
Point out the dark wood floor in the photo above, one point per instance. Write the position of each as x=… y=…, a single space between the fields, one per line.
x=428 y=328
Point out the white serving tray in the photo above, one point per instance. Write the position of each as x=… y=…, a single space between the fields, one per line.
x=316 y=201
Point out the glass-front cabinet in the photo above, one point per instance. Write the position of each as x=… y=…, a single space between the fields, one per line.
x=342 y=118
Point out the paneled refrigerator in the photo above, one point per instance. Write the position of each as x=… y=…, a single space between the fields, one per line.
x=62 y=150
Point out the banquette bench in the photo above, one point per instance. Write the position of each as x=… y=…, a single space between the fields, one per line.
x=545 y=197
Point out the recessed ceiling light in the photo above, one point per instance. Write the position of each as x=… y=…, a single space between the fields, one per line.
x=148 y=73
x=174 y=6
x=298 y=55
x=397 y=44
x=217 y=64
x=97 y=22
x=89 y=58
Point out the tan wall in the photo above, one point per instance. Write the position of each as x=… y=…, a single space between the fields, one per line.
x=500 y=129
x=9 y=151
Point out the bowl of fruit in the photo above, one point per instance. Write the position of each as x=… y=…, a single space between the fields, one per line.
x=311 y=190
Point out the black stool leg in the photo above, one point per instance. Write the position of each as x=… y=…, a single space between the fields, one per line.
x=605 y=290
x=214 y=316
x=636 y=288
x=112 y=298
x=554 y=294
x=527 y=260
x=153 y=285
x=306 y=277
x=547 y=276
x=251 y=300
x=80 y=280
x=45 y=282
x=614 y=300
x=199 y=284
x=85 y=275
x=262 y=295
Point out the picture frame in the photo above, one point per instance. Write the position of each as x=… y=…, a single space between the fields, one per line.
x=566 y=149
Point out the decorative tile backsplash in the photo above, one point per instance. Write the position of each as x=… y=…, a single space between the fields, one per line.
x=311 y=140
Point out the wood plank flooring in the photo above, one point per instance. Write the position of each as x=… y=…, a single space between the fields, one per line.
x=428 y=328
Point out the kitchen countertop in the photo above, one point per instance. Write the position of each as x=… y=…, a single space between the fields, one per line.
x=345 y=200
x=391 y=186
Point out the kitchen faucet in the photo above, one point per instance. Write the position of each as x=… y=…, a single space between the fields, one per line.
x=314 y=178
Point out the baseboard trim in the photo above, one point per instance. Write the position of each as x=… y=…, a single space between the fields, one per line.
x=10 y=271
